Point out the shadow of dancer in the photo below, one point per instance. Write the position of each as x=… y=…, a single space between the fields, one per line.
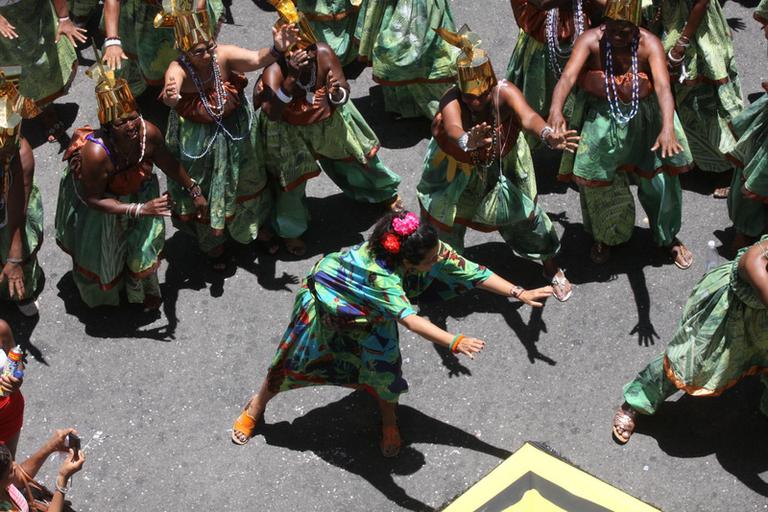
x=340 y=433
x=729 y=426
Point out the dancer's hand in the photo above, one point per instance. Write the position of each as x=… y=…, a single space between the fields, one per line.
x=565 y=141
x=74 y=33
x=533 y=297
x=470 y=346
x=201 y=205
x=7 y=30
x=667 y=141
x=479 y=136
x=158 y=207
x=114 y=56
x=677 y=52
x=285 y=37
x=297 y=62
x=14 y=274
x=333 y=85
x=557 y=122
x=171 y=94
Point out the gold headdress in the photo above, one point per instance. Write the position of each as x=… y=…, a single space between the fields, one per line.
x=624 y=10
x=289 y=14
x=11 y=104
x=113 y=95
x=476 y=74
x=190 y=27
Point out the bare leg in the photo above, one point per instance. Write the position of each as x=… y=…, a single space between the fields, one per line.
x=390 y=440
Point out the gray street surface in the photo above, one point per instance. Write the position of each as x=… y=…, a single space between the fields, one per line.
x=154 y=397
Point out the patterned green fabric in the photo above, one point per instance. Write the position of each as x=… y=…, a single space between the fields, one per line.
x=343 y=329
x=47 y=67
x=150 y=50
x=609 y=212
x=411 y=61
x=761 y=11
x=343 y=145
x=110 y=252
x=338 y=33
x=749 y=208
x=630 y=143
x=456 y=195
x=722 y=337
x=32 y=239
x=711 y=95
x=82 y=8
x=231 y=176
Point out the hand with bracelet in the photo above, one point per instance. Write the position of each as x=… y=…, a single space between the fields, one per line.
x=284 y=38
x=530 y=297
x=201 y=204
x=74 y=33
x=477 y=137
x=676 y=54
x=563 y=140
x=468 y=346
x=71 y=465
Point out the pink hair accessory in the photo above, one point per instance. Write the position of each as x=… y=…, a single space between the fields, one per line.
x=405 y=226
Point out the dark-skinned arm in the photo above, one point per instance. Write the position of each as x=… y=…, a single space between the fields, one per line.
x=94 y=169
x=752 y=268
x=273 y=80
x=329 y=60
x=666 y=140
x=579 y=56
x=16 y=208
x=450 y=108
x=113 y=56
x=695 y=16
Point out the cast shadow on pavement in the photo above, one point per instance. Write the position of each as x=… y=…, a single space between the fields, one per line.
x=393 y=133
x=344 y=434
x=22 y=328
x=729 y=426
x=123 y=321
x=35 y=132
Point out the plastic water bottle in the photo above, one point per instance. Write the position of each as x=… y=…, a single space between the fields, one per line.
x=13 y=365
x=713 y=259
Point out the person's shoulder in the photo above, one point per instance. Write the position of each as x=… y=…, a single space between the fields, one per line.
x=450 y=96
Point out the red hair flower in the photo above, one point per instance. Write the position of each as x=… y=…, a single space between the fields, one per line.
x=391 y=243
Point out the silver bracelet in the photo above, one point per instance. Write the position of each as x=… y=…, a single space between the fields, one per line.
x=672 y=59
x=463 y=142
x=15 y=261
x=138 y=210
x=112 y=42
x=65 y=18
x=63 y=490
x=516 y=291
x=544 y=133
x=282 y=96
x=344 y=97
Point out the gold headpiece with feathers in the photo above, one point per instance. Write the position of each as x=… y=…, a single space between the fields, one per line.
x=474 y=67
x=113 y=96
x=11 y=105
x=624 y=10
x=289 y=14
x=190 y=27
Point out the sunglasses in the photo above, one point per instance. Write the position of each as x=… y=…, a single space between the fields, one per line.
x=200 y=51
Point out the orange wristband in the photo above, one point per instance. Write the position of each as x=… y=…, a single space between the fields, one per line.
x=455 y=343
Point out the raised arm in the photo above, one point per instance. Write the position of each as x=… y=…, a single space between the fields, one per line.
x=335 y=81
x=113 y=50
x=173 y=81
x=667 y=140
x=568 y=78
x=244 y=61
x=752 y=268
x=428 y=330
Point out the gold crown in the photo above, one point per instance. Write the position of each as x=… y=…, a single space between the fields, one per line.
x=474 y=67
x=190 y=27
x=289 y=14
x=624 y=10
x=113 y=96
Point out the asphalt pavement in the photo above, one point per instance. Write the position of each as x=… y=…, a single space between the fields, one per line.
x=154 y=397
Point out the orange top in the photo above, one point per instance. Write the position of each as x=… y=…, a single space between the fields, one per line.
x=120 y=182
x=593 y=81
x=533 y=20
x=190 y=106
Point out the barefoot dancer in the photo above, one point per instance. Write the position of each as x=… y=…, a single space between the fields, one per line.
x=722 y=337
x=478 y=170
x=629 y=133
x=109 y=217
x=212 y=131
x=307 y=119
x=344 y=328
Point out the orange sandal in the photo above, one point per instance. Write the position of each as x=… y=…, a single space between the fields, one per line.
x=245 y=424
x=390 y=441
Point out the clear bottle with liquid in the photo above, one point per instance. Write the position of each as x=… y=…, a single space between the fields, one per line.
x=713 y=259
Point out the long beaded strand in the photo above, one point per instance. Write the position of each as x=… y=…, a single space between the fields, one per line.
x=610 y=84
x=215 y=112
x=556 y=52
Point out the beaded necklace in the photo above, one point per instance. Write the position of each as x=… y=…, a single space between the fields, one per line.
x=614 y=103
x=556 y=52
x=216 y=112
x=307 y=88
x=6 y=180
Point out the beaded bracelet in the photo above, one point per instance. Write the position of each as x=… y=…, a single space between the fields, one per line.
x=455 y=343
x=516 y=291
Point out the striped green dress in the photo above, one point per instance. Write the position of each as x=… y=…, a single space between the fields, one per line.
x=410 y=60
x=722 y=337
